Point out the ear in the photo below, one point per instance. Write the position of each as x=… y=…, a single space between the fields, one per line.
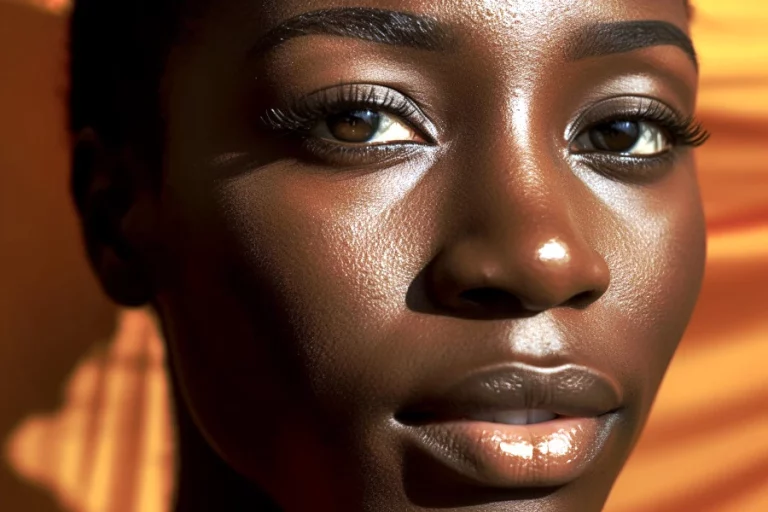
x=115 y=212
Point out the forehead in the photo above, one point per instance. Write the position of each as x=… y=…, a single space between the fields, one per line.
x=502 y=13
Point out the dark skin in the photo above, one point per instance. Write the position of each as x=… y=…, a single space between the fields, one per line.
x=310 y=295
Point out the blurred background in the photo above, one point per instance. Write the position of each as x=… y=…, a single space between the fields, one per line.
x=84 y=419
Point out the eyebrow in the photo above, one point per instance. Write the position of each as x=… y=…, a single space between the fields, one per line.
x=369 y=24
x=398 y=28
x=625 y=36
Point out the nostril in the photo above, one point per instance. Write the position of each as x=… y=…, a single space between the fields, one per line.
x=492 y=303
x=497 y=300
x=486 y=296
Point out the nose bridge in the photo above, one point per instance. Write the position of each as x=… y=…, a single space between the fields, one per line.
x=521 y=189
x=519 y=180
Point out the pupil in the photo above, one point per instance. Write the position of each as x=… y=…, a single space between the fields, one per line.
x=615 y=135
x=354 y=125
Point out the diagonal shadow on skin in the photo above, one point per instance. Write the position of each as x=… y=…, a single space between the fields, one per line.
x=51 y=308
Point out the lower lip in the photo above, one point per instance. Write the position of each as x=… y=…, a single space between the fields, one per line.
x=546 y=454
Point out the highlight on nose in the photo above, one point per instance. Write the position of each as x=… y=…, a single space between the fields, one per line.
x=562 y=274
x=554 y=251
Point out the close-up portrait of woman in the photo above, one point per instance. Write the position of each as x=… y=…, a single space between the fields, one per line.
x=403 y=255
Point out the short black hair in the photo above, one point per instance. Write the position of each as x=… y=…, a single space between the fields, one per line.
x=118 y=50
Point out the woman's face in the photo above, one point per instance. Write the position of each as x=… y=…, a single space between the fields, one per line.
x=434 y=255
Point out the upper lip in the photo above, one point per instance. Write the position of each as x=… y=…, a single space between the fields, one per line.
x=567 y=390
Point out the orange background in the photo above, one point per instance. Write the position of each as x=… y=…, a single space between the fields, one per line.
x=84 y=423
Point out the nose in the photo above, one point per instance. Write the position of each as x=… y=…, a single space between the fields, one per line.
x=522 y=248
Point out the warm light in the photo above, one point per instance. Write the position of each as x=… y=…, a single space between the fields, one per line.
x=553 y=250
x=53 y=6
x=558 y=444
x=92 y=453
x=517 y=449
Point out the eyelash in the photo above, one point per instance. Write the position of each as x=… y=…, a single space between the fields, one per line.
x=303 y=115
x=682 y=131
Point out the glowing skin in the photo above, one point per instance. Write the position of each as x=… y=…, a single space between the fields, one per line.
x=319 y=296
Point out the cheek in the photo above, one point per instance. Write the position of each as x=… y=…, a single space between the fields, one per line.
x=288 y=306
x=343 y=257
x=305 y=276
x=285 y=291
x=657 y=263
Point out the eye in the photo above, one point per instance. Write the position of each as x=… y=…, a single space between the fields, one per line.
x=365 y=127
x=623 y=136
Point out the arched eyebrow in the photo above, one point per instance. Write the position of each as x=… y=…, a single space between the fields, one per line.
x=422 y=32
x=369 y=24
x=625 y=36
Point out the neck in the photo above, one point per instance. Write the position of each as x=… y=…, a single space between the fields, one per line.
x=204 y=481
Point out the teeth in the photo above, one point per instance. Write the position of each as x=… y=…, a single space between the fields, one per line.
x=517 y=417
x=489 y=417
x=539 y=416
x=512 y=417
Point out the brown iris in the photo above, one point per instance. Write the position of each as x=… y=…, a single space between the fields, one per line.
x=615 y=136
x=354 y=125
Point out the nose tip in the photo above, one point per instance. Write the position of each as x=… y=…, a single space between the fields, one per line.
x=535 y=275
x=562 y=275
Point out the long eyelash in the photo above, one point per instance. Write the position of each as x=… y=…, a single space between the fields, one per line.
x=303 y=115
x=684 y=131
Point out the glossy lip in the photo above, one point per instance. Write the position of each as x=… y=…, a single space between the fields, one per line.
x=545 y=454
